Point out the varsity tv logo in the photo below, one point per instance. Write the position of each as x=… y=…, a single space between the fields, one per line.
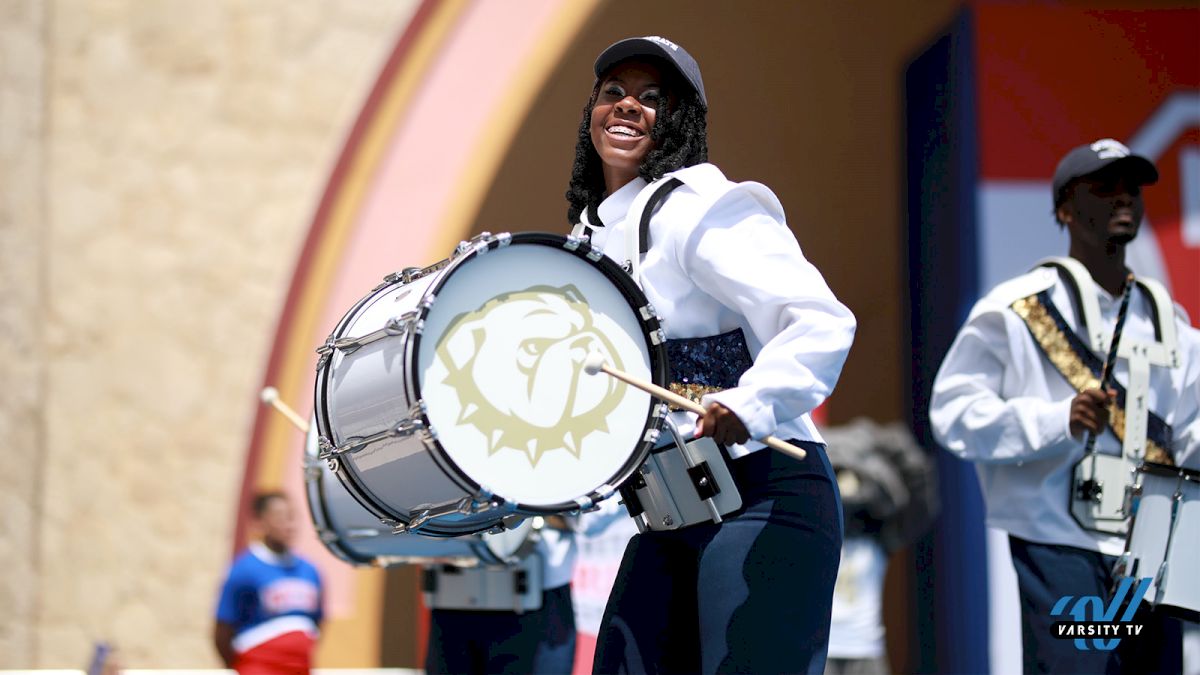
x=1097 y=624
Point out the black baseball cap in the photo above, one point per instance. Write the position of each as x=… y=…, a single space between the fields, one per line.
x=1092 y=157
x=655 y=46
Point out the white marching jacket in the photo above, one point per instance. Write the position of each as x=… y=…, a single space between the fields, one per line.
x=721 y=257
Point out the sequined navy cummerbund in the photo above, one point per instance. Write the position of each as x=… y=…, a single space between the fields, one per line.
x=704 y=365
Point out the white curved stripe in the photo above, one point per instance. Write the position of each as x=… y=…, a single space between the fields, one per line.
x=1176 y=115
x=269 y=630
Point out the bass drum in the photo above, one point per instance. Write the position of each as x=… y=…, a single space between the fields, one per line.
x=351 y=533
x=453 y=397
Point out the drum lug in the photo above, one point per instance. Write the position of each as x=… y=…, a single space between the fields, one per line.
x=484 y=501
x=325 y=448
x=415 y=522
x=394 y=526
x=325 y=351
x=418 y=409
x=512 y=521
x=657 y=336
x=604 y=492
x=481 y=243
x=413 y=321
x=651 y=436
x=408 y=427
x=395 y=327
x=408 y=274
x=464 y=247
x=647 y=312
x=573 y=242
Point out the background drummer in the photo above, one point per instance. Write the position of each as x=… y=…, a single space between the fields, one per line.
x=474 y=642
x=542 y=641
x=1000 y=402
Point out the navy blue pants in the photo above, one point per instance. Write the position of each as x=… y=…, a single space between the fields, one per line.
x=751 y=595
x=1045 y=573
x=478 y=642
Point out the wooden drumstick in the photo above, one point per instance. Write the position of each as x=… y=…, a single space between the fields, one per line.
x=270 y=396
x=595 y=364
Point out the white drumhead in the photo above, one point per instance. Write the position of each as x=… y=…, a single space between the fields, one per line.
x=501 y=374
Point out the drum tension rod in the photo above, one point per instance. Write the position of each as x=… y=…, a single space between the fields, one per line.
x=466 y=505
x=404 y=428
x=395 y=327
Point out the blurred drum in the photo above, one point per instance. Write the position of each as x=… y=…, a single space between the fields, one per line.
x=351 y=533
x=1164 y=537
x=453 y=396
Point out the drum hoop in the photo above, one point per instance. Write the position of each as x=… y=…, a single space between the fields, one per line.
x=325 y=523
x=628 y=289
x=321 y=515
x=1168 y=471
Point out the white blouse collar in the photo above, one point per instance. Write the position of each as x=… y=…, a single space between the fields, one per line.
x=614 y=207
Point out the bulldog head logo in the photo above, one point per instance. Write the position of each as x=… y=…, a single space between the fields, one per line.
x=516 y=364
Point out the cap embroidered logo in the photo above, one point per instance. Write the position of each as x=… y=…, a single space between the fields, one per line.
x=1107 y=148
x=664 y=42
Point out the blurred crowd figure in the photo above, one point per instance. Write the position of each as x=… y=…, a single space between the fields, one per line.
x=889 y=499
x=104 y=660
x=270 y=609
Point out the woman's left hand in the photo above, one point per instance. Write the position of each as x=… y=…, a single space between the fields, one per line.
x=722 y=424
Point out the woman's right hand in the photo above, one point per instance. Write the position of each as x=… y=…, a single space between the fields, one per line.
x=722 y=424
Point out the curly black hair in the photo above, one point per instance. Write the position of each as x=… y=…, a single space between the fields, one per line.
x=680 y=135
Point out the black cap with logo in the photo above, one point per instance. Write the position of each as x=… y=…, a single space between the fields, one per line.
x=1090 y=158
x=655 y=46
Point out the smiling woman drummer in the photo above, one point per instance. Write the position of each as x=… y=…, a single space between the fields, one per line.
x=748 y=315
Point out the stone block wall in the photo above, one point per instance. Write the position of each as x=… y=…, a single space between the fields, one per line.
x=159 y=166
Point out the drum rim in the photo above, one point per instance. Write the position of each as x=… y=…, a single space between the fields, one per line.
x=1168 y=471
x=628 y=289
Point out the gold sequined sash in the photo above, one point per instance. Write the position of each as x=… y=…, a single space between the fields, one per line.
x=1068 y=356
